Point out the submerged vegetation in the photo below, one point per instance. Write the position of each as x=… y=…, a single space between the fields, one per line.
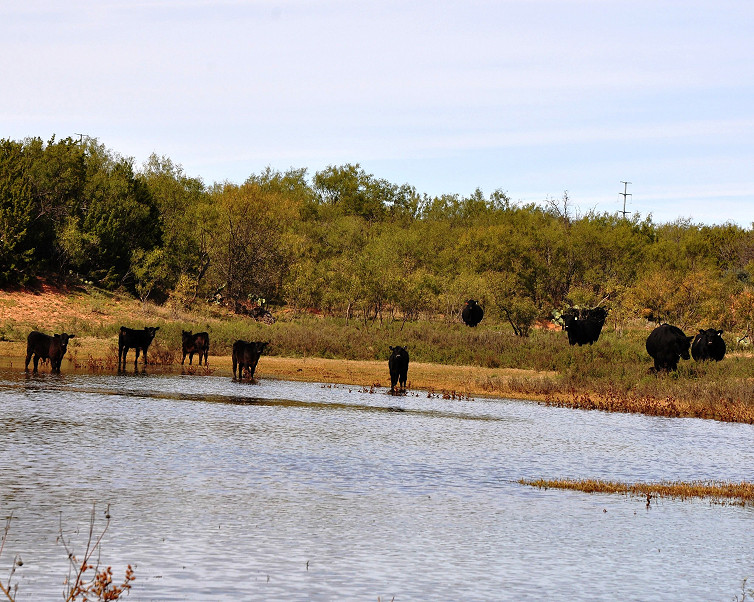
x=723 y=492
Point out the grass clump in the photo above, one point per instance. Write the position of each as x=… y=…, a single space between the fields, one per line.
x=718 y=492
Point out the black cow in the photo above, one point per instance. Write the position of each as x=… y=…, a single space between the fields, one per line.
x=44 y=346
x=195 y=343
x=584 y=326
x=472 y=313
x=667 y=344
x=708 y=345
x=398 y=365
x=139 y=340
x=246 y=357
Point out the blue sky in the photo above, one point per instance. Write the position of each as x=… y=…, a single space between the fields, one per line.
x=534 y=97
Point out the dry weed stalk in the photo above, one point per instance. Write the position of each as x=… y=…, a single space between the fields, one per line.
x=97 y=585
x=8 y=590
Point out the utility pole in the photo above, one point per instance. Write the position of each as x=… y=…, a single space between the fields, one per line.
x=624 y=194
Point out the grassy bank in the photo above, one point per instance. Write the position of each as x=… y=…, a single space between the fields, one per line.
x=446 y=356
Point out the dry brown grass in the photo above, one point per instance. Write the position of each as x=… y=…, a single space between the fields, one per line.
x=719 y=492
x=724 y=410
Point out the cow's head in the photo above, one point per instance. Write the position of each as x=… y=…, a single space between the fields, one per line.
x=63 y=339
x=398 y=351
x=187 y=336
x=569 y=320
x=708 y=336
x=151 y=331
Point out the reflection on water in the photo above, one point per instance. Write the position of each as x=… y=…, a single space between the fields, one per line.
x=280 y=490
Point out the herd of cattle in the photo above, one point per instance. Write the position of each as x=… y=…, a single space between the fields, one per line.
x=40 y=346
x=666 y=344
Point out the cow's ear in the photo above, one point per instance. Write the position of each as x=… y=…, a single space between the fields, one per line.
x=71 y=336
x=391 y=348
x=156 y=328
x=719 y=333
x=690 y=339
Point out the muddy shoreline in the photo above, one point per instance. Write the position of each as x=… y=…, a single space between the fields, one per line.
x=92 y=355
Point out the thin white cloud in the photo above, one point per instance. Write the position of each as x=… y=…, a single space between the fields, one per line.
x=538 y=95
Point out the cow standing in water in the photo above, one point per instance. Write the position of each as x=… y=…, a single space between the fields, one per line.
x=43 y=346
x=246 y=357
x=708 y=345
x=139 y=340
x=666 y=344
x=195 y=343
x=398 y=366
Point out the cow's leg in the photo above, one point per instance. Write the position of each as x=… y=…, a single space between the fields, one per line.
x=191 y=358
x=28 y=359
x=183 y=361
x=137 y=350
x=144 y=352
x=36 y=362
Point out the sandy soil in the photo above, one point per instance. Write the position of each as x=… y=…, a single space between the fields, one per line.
x=51 y=307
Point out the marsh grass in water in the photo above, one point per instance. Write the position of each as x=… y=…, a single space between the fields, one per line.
x=719 y=492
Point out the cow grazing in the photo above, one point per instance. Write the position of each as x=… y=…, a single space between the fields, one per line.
x=43 y=346
x=139 y=340
x=708 y=345
x=246 y=357
x=398 y=366
x=584 y=326
x=472 y=313
x=195 y=343
x=666 y=344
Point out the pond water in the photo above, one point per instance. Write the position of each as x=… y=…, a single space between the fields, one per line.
x=281 y=490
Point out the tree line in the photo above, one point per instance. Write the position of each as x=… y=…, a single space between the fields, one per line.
x=347 y=243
